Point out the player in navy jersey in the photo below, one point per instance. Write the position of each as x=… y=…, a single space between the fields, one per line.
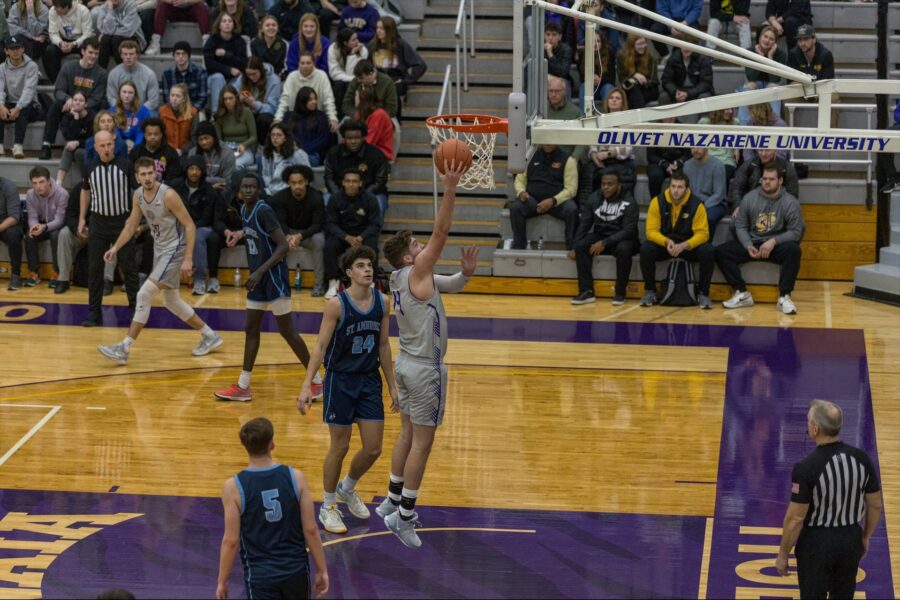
x=268 y=286
x=353 y=340
x=269 y=510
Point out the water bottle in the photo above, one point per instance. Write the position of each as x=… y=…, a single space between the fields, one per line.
x=528 y=245
x=297 y=285
x=540 y=244
x=237 y=278
x=507 y=243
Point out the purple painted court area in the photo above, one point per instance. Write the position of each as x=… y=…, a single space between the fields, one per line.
x=172 y=552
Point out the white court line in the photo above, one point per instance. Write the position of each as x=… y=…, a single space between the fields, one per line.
x=620 y=313
x=28 y=435
x=28 y=405
x=827 y=286
x=95 y=407
x=199 y=301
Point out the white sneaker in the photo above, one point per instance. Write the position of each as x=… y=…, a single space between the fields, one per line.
x=207 y=344
x=738 y=300
x=405 y=530
x=354 y=503
x=331 y=519
x=153 y=46
x=786 y=305
x=386 y=508
x=333 y=285
x=18 y=151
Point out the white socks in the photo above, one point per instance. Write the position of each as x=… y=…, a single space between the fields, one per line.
x=348 y=485
x=244 y=380
x=330 y=499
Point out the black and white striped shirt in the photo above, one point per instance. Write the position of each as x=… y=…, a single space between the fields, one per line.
x=834 y=480
x=110 y=185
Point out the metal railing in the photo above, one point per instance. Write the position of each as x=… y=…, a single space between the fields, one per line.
x=448 y=97
x=463 y=49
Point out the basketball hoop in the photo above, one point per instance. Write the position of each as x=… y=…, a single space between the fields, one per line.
x=480 y=133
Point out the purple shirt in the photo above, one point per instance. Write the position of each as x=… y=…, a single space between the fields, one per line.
x=50 y=209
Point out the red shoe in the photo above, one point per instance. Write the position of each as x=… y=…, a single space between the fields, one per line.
x=317 y=390
x=235 y=393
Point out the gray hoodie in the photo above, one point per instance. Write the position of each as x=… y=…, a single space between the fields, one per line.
x=762 y=218
x=18 y=84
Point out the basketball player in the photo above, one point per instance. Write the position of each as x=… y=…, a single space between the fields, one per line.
x=269 y=509
x=354 y=341
x=173 y=244
x=420 y=371
x=268 y=286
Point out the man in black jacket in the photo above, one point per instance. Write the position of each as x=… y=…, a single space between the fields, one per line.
x=352 y=218
x=301 y=211
x=748 y=175
x=356 y=154
x=687 y=76
x=558 y=54
x=155 y=146
x=786 y=16
x=201 y=200
x=609 y=225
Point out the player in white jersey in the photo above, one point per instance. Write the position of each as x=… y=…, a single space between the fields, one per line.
x=173 y=244
x=420 y=371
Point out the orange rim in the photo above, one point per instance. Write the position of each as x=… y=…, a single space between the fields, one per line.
x=486 y=123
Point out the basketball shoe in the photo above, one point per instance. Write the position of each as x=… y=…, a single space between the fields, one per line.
x=386 y=508
x=331 y=519
x=207 y=344
x=405 y=530
x=117 y=353
x=236 y=393
x=354 y=503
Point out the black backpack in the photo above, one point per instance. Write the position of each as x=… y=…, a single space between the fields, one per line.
x=679 y=289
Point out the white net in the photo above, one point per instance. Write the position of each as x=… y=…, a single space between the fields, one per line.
x=445 y=127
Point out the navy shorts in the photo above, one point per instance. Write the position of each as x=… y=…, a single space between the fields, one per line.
x=351 y=397
x=295 y=586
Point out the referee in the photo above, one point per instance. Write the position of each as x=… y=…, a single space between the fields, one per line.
x=106 y=190
x=832 y=490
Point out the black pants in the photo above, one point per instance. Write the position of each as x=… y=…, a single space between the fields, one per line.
x=103 y=232
x=623 y=251
x=52 y=121
x=827 y=561
x=732 y=254
x=652 y=253
x=295 y=586
x=335 y=246
x=656 y=175
x=520 y=212
x=53 y=57
x=33 y=253
x=263 y=124
x=12 y=237
x=109 y=48
x=147 y=16
x=641 y=95
x=28 y=114
x=35 y=49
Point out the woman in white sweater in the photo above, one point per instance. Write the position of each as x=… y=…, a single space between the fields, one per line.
x=343 y=55
x=307 y=75
x=70 y=24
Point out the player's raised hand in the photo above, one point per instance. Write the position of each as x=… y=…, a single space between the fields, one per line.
x=468 y=258
x=453 y=171
x=304 y=401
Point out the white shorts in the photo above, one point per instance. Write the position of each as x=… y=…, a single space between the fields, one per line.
x=422 y=387
x=167 y=267
x=281 y=306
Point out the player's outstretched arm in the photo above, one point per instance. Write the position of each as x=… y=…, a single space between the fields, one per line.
x=311 y=535
x=423 y=268
x=384 y=354
x=455 y=283
x=131 y=224
x=230 y=538
x=330 y=318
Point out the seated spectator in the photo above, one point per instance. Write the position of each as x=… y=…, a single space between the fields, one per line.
x=617 y=158
x=359 y=16
x=749 y=174
x=609 y=225
x=180 y=118
x=29 y=22
x=355 y=153
x=814 y=59
x=11 y=230
x=560 y=107
x=343 y=56
x=706 y=178
x=687 y=12
x=677 y=227
x=260 y=91
x=307 y=75
x=604 y=78
x=237 y=128
x=218 y=158
x=761 y=115
x=69 y=244
x=147 y=13
x=393 y=56
x=69 y=27
x=289 y=13
x=557 y=54
x=730 y=11
x=379 y=124
x=727 y=156
x=129 y=113
x=301 y=211
x=225 y=54
x=662 y=161
x=18 y=93
x=638 y=72
x=201 y=200
x=185 y=11
x=786 y=16
x=313 y=41
x=117 y=22
x=278 y=154
x=352 y=218
x=769 y=227
x=76 y=127
x=385 y=92
x=548 y=186
x=269 y=47
x=242 y=15
x=687 y=76
x=83 y=75
x=615 y=38
x=155 y=147
x=187 y=73
x=142 y=76
x=326 y=12
x=103 y=121
x=46 y=206
x=766 y=46
x=309 y=126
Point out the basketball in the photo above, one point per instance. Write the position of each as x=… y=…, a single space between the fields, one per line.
x=450 y=150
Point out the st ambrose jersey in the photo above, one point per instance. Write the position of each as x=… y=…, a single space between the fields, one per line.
x=354 y=345
x=258 y=222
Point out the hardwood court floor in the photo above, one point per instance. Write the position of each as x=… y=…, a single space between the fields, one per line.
x=615 y=428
